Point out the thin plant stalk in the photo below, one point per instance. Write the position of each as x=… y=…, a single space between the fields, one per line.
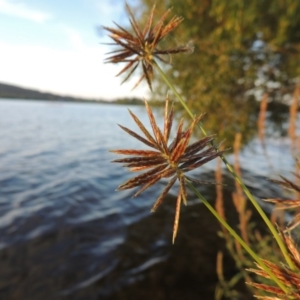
x=235 y=175
x=238 y=238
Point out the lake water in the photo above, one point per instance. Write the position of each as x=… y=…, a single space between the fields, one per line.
x=66 y=234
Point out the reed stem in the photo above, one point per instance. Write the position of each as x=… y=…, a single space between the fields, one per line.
x=234 y=174
x=238 y=238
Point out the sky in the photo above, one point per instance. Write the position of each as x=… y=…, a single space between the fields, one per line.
x=56 y=46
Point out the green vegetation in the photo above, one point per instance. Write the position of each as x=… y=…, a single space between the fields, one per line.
x=248 y=52
x=242 y=49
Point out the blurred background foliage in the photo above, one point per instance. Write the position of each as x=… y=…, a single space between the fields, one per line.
x=242 y=51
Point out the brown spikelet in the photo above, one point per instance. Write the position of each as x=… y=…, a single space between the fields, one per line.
x=177 y=213
x=219 y=203
x=288 y=203
x=165 y=160
x=292 y=248
x=238 y=197
x=140 y=47
x=290 y=278
x=219 y=266
x=294 y=114
x=262 y=117
x=142 y=128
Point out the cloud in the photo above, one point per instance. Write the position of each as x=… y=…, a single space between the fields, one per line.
x=75 y=38
x=79 y=71
x=20 y=10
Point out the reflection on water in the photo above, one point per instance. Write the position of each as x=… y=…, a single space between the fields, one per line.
x=65 y=232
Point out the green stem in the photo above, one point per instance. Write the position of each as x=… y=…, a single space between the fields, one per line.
x=239 y=239
x=235 y=175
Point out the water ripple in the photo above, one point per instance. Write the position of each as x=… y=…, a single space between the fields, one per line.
x=64 y=230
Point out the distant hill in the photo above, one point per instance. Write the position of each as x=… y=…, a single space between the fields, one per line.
x=10 y=91
x=16 y=92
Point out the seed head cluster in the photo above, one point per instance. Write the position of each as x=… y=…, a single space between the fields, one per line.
x=289 y=278
x=140 y=46
x=289 y=203
x=165 y=160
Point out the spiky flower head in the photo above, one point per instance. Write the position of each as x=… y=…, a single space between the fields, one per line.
x=289 y=278
x=141 y=46
x=165 y=160
x=288 y=203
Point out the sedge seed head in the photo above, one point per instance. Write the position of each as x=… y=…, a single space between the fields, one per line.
x=164 y=159
x=140 y=46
